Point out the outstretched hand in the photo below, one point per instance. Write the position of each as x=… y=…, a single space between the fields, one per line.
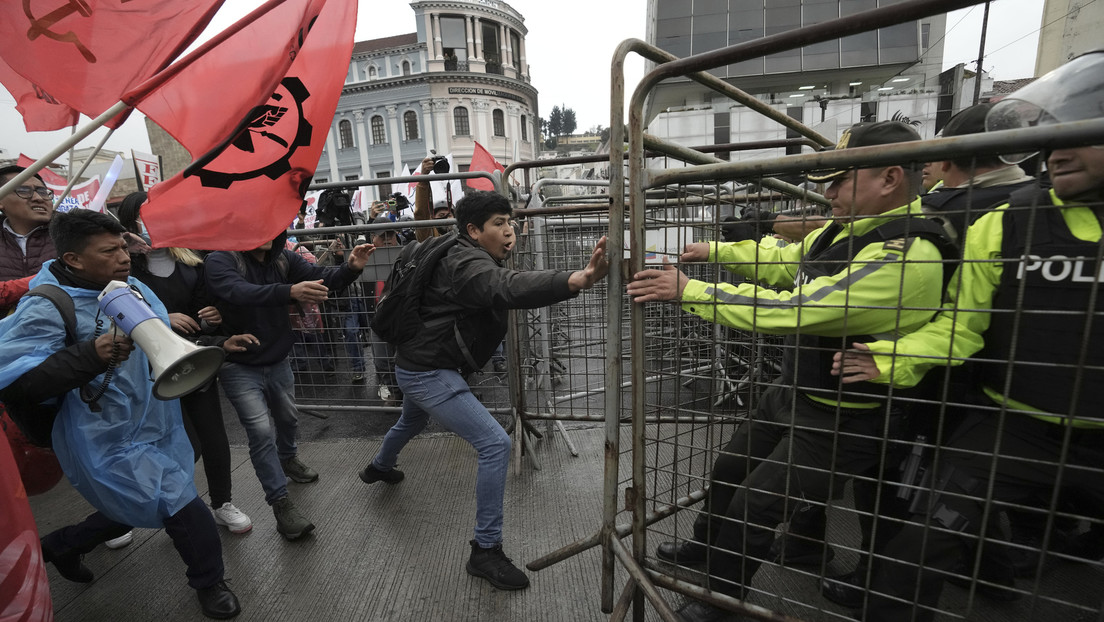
x=658 y=284
x=310 y=291
x=358 y=258
x=695 y=251
x=596 y=269
x=855 y=365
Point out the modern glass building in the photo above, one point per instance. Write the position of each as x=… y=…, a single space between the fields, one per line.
x=903 y=57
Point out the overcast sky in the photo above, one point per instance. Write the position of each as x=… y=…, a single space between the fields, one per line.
x=570 y=45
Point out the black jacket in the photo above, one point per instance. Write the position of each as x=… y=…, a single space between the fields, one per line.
x=257 y=302
x=470 y=286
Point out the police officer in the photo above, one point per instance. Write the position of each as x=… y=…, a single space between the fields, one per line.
x=853 y=276
x=1034 y=263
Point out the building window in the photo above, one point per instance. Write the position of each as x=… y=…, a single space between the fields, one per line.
x=492 y=48
x=925 y=35
x=410 y=123
x=321 y=180
x=372 y=75
x=524 y=130
x=499 y=123
x=345 y=132
x=515 y=45
x=460 y=121
x=454 y=44
x=378 y=135
x=406 y=67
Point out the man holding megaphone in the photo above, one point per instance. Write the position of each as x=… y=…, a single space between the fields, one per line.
x=122 y=448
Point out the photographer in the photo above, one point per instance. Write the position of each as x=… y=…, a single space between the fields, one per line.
x=349 y=313
x=423 y=199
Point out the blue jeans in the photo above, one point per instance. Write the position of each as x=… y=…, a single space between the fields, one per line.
x=444 y=395
x=264 y=398
x=352 y=323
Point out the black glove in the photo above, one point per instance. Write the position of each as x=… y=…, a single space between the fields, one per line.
x=761 y=219
x=733 y=230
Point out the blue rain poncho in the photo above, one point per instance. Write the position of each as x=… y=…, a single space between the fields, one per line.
x=132 y=460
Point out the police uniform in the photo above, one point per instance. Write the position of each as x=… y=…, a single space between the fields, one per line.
x=802 y=438
x=1039 y=360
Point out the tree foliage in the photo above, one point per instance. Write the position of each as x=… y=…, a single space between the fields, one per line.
x=555 y=121
x=567 y=124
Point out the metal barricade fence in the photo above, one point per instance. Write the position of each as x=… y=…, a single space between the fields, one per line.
x=340 y=365
x=673 y=369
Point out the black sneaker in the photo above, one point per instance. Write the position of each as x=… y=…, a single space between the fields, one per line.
x=299 y=472
x=493 y=565
x=371 y=475
x=289 y=521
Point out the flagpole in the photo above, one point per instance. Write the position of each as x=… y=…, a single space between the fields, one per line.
x=143 y=90
x=73 y=178
x=137 y=94
x=77 y=136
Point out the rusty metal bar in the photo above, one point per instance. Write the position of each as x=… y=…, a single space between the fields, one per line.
x=1073 y=134
x=753 y=145
x=620 y=531
x=725 y=602
x=774 y=184
x=643 y=581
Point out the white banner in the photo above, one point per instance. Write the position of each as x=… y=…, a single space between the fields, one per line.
x=147 y=169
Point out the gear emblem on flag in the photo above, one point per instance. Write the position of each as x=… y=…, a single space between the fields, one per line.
x=262 y=144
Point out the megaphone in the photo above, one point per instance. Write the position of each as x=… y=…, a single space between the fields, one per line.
x=179 y=366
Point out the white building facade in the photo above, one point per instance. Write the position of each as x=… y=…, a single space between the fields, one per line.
x=462 y=78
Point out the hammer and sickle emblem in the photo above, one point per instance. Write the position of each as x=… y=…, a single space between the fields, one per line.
x=41 y=26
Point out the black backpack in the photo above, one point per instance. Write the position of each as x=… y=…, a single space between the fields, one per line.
x=398 y=316
x=36 y=421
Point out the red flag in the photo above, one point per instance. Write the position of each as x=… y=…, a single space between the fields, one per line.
x=87 y=53
x=482 y=160
x=253 y=157
x=48 y=177
x=41 y=113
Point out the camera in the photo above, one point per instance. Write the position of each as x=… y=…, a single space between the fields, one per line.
x=440 y=164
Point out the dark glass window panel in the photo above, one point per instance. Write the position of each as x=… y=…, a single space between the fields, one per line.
x=378 y=135
x=345 y=129
x=900 y=43
x=460 y=121
x=453 y=33
x=858 y=50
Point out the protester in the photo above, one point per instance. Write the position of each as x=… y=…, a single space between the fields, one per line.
x=1035 y=399
x=24 y=232
x=346 y=310
x=423 y=199
x=471 y=286
x=868 y=272
x=253 y=290
x=176 y=276
x=124 y=451
x=383 y=353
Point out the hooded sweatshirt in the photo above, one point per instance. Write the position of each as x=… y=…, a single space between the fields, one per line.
x=256 y=302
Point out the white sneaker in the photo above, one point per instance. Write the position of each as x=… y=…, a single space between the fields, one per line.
x=121 y=541
x=232 y=518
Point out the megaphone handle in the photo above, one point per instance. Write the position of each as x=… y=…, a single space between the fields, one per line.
x=85 y=393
